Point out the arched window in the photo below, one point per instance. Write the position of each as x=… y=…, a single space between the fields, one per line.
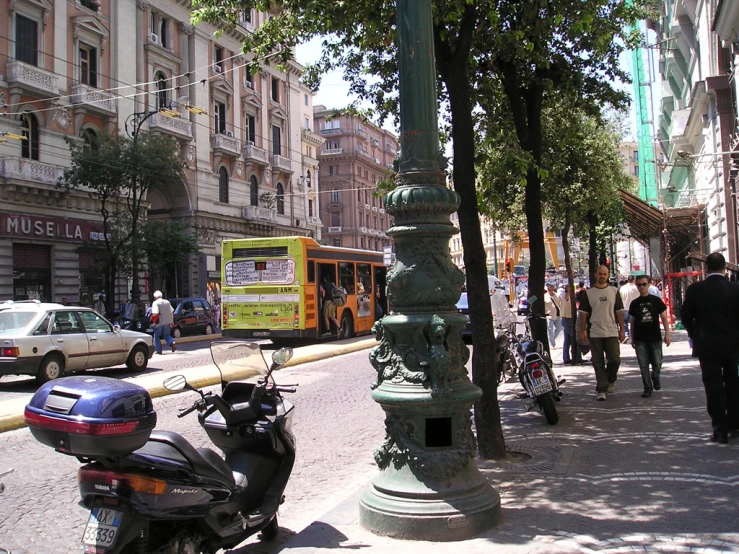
x=90 y=137
x=335 y=195
x=30 y=146
x=253 y=191
x=280 y=199
x=162 y=101
x=223 y=186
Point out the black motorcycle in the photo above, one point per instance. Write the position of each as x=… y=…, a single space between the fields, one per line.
x=537 y=377
x=152 y=492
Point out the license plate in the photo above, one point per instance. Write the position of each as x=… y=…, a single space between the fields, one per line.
x=541 y=385
x=260 y=333
x=102 y=528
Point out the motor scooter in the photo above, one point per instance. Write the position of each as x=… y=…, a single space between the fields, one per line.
x=152 y=492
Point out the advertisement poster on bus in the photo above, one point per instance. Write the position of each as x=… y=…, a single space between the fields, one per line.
x=268 y=315
x=266 y=272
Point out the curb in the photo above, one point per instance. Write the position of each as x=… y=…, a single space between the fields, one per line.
x=205 y=377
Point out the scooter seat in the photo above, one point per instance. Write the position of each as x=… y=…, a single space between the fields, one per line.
x=204 y=462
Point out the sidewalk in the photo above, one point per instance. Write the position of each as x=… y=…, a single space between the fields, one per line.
x=11 y=411
x=629 y=474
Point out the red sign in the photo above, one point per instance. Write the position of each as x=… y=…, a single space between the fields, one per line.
x=38 y=227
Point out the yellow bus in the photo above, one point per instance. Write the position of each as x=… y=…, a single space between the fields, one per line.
x=271 y=288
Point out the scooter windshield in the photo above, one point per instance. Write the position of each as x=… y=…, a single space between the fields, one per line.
x=238 y=361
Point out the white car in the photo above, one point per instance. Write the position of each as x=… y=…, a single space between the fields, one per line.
x=49 y=340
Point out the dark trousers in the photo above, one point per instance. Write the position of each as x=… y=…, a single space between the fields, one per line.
x=721 y=381
x=603 y=348
x=649 y=353
x=569 y=349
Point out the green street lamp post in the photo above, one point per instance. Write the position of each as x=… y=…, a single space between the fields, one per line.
x=429 y=487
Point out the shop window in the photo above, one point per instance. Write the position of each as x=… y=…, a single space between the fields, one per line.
x=346 y=276
x=26 y=40
x=223 y=185
x=253 y=191
x=31 y=272
x=88 y=61
x=30 y=146
x=280 y=199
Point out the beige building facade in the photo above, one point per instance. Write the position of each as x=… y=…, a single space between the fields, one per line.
x=355 y=157
x=78 y=67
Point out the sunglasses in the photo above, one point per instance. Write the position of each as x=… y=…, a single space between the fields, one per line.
x=642 y=284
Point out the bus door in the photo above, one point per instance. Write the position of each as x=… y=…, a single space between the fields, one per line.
x=312 y=299
x=329 y=272
x=380 y=291
x=365 y=298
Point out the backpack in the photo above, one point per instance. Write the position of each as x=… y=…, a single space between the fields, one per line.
x=338 y=296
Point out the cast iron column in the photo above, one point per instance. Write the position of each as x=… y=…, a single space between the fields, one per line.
x=429 y=487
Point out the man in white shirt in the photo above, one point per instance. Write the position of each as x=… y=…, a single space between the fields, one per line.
x=629 y=292
x=553 y=307
x=162 y=316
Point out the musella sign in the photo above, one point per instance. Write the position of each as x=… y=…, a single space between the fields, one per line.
x=37 y=227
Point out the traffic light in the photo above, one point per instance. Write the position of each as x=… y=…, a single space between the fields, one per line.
x=509 y=265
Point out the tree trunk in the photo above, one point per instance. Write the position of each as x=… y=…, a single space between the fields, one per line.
x=490 y=438
x=592 y=246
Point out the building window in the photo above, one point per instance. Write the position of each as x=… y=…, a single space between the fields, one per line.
x=30 y=130
x=331 y=170
x=307 y=179
x=248 y=79
x=88 y=60
x=251 y=129
x=162 y=101
x=359 y=195
x=164 y=32
x=636 y=171
x=223 y=186
x=335 y=219
x=26 y=40
x=218 y=63
x=361 y=219
x=337 y=241
x=361 y=243
x=276 y=140
x=90 y=139
x=359 y=171
x=219 y=113
x=305 y=99
x=332 y=124
x=310 y=208
x=335 y=195
x=307 y=123
x=636 y=155
x=275 y=90
x=280 y=199
x=253 y=191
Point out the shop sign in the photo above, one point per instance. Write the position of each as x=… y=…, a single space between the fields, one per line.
x=31 y=226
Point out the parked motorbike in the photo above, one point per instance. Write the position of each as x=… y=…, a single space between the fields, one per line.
x=505 y=354
x=152 y=492
x=537 y=377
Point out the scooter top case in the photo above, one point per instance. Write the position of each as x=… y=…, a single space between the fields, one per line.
x=92 y=417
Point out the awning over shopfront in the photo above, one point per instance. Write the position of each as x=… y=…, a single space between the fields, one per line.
x=644 y=220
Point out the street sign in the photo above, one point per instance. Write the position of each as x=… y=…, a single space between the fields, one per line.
x=387 y=255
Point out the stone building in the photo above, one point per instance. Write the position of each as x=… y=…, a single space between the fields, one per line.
x=71 y=68
x=355 y=157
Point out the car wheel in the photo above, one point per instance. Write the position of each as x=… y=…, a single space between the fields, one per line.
x=52 y=367
x=209 y=329
x=138 y=359
x=176 y=332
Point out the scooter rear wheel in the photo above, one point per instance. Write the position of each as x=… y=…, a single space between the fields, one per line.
x=269 y=533
x=549 y=408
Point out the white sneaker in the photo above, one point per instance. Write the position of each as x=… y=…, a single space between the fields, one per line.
x=612 y=388
x=601 y=396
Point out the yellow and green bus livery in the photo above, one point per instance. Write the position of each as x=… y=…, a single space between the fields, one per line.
x=271 y=288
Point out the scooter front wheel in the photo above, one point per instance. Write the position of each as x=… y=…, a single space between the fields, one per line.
x=549 y=407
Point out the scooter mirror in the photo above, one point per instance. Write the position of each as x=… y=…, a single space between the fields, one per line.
x=282 y=356
x=174 y=383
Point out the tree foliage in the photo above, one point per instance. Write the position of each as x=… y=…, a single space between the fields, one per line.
x=167 y=245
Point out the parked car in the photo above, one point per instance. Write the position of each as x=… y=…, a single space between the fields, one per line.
x=192 y=315
x=464 y=308
x=48 y=340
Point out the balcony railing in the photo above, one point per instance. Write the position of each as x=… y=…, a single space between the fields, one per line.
x=363 y=229
x=282 y=163
x=329 y=151
x=334 y=229
x=12 y=167
x=361 y=132
x=334 y=131
x=255 y=155
x=225 y=144
x=363 y=152
x=382 y=210
x=374 y=208
x=176 y=126
x=257 y=213
x=313 y=220
x=367 y=207
x=32 y=78
x=93 y=97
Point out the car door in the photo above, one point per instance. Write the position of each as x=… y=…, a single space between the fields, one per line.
x=202 y=314
x=186 y=320
x=105 y=345
x=68 y=335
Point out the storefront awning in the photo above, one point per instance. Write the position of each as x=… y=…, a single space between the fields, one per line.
x=644 y=220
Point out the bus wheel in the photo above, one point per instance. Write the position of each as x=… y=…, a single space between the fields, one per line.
x=347 y=327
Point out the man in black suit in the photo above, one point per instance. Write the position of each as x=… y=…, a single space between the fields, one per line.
x=710 y=314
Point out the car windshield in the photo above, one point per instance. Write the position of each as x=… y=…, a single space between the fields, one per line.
x=12 y=321
x=462 y=304
x=238 y=361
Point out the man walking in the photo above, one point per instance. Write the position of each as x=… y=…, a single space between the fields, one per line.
x=710 y=314
x=628 y=292
x=645 y=312
x=162 y=316
x=553 y=307
x=602 y=306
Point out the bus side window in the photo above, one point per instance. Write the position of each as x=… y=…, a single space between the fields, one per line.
x=311 y=272
x=346 y=276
